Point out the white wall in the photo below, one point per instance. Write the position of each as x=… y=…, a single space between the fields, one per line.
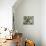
x=6 y=19
x=6 y=13
x=29 y=8
x=43 y=22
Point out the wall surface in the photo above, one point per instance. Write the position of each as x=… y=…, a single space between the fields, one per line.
x=6 y=13
x=6 y=19
x=43 y=22
x=29 y=8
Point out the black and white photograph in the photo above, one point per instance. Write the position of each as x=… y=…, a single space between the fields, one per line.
x=28 y=20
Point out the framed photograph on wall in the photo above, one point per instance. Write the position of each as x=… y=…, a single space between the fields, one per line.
x=28 y=20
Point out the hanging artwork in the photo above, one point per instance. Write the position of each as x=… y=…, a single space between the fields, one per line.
x=28 y=20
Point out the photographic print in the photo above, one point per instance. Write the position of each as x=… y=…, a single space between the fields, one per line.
x=28 y=20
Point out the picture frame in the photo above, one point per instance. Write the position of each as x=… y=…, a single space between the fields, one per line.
x=28 y=20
